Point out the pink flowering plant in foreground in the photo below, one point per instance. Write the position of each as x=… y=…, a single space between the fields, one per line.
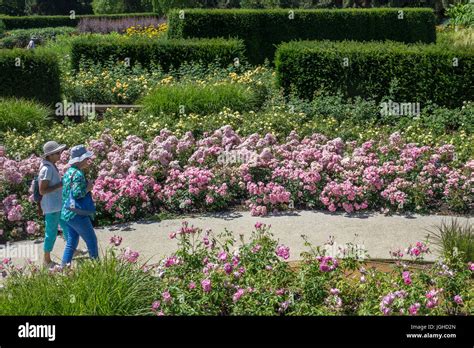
x=137 y=179
x=211 y=275
x=215 y=274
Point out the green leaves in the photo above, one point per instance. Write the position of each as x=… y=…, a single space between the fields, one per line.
x=262 y=30
x=186 y=98
x=109 y=286
x=30 y=74
x=19 y=38
x=406 y=73
x=166 y=53
x=22 y=115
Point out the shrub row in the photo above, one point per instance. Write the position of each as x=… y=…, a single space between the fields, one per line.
x=29 y=74
x=405 y=73
x=26 y=22
x=166 y=53
x=261 y=30
x=21 y=37
x=186 y=98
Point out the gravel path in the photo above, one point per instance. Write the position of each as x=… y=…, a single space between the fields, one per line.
x=375 y=233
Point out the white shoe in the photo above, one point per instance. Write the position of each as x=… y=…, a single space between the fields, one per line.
x=50 y=265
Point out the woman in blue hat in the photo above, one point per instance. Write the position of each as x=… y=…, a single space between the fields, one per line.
x=74 y=180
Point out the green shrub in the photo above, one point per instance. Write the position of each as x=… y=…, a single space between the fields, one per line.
x=112 y=83
x=444 y=119
x=413 y=73
x=455 y=238
x=461 y=15
x=261 y=30
x=20 y=37
x=120 y=6
x=163 y=6
x=110 y=286
x=462 y=37
x=27 y=22
x=22 y=115
x=359 y=111
x=191 y=98
x=261 y=3
x=30 y=74
x=108 y=6
x=13 y=7
x=109 y=83
x=166 y=53
x=60 y=7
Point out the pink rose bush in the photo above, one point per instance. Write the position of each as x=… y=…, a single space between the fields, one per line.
x=136 y=179
x=253 y=277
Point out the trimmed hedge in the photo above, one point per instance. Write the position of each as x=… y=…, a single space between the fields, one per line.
x=405 y=73
x=27 y=22
x=261 y=30
x=165 y=53
x=37 y=77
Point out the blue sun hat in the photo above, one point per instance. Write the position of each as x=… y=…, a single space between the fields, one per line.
x=78 y=154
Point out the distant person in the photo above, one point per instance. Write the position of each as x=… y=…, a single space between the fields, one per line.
x=76 y=185
x=31 y=44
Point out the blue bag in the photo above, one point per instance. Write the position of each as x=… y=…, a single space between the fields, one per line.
x=35 y=189
x=35 y=186
x=82 y=206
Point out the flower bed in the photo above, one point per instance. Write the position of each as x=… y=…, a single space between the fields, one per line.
x=222 y=169
x=112 y=83
x=104 y=25
x=211 y=275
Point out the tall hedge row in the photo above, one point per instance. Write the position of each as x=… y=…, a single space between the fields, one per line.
x=406 y=73
x=261 y=30
x=166 y=53
x=26 y=22
x=30 y=74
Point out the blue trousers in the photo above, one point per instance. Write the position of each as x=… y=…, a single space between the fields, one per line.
x=80 y=226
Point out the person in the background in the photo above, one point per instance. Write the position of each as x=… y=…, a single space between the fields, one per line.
x=78 y=225
x=50 y=186
x=31 y=44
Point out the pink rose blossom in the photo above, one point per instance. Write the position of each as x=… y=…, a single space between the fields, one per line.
x=283 y=252
x=166 y=296
x=206 y=285
x=238 y=295
x=116 y=240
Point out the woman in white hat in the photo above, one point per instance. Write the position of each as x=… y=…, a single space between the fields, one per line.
x=50 y=185
x=75 y=181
